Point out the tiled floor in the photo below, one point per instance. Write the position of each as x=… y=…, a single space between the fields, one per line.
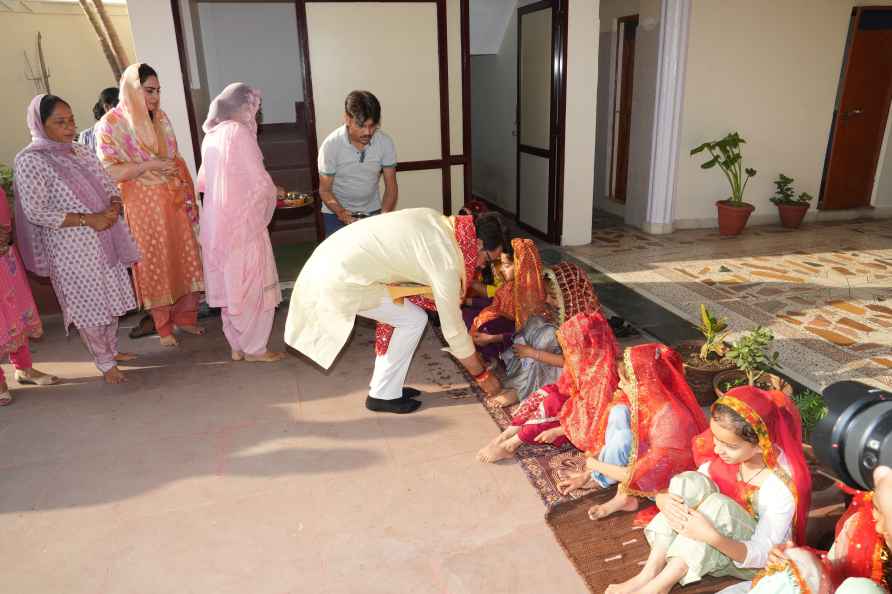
x=824 y=289
x=206 y=476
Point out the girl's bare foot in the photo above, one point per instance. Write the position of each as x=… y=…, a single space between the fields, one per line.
x=629 y=586
x=124 y=357
x=194 y=330
x=499 y=450
x=619 y=502
x=267 y=357
x=237 y=356
x=114 y=376
x=5 y=396
x=508 y=433
x=35 y=377
x=506 y=398
x=169 y=341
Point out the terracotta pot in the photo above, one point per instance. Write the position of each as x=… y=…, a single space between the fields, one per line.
x=791 y=215
x=700 y=377
x=733 y=216
x=763 y=382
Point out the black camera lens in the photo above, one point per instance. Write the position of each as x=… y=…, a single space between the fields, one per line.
x=856 y=435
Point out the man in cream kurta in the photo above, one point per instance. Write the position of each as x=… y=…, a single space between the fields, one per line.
x=347 y=276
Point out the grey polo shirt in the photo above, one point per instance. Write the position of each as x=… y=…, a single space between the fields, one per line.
x=356 y=172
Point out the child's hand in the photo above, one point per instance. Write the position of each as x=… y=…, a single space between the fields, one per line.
x=673 y=507
x=777 y=555
x=524 y=351
x=698 y=527
x=550 y=435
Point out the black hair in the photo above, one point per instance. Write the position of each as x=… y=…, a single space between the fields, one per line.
x=145 y=71
x=108 y=97
x=726 y=415
x=362 y=106
x=491 y=231
x=48 y=104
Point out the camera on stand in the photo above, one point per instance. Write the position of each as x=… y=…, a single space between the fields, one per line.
x=856 y=434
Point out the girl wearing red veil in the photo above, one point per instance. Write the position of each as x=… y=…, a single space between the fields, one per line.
x=858 y=561
x=645 y=439
x=570 y=409
x=751 y=493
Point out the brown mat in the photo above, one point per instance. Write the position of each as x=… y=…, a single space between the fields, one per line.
x=611 y=550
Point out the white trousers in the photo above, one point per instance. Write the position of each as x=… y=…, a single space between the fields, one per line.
x=408 y=321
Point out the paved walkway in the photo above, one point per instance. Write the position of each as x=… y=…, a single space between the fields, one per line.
x=207 y=476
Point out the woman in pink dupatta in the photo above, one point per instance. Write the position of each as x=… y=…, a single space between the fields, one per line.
x=239 y=200
x=18 y=313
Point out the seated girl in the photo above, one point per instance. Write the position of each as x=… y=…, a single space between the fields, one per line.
x=750 y=494
x=535 y=359
x=569 y=409
x=645 y=439
x=857 y=562
x=516 y=300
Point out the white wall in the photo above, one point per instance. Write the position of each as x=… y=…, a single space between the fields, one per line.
x=581 y=128
x=493 y=111
x=77 y=66
x=153 y=36
x=769 y=70
x=256 y=44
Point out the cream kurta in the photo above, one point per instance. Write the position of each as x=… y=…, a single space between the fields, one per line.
x=349 y=271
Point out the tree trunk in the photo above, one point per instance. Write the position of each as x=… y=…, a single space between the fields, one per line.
x=113 y=37
x=106 y=48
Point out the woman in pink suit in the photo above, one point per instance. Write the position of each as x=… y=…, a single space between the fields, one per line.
x=18 y=313
x=239 y=200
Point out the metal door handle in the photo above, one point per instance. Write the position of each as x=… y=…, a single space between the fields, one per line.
x=853 y=112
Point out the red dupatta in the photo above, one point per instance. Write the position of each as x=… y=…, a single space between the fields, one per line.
x=575 y=293
x=665 y=417
x=776 y=422
x=522 y=297
x=466 y=237
x=858 y=549
x=589 y=376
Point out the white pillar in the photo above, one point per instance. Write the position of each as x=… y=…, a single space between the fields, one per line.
x=579 y=137
x=674 y=21
x=151 y=22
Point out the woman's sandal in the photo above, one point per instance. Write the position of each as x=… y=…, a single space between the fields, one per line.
x=38 y=378
x=145 y=327
x=5 y=398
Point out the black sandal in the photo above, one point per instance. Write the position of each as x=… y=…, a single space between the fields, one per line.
x=620 y=328
x=145 y=327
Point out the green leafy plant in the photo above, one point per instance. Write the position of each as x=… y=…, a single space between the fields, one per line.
x=812 y=409
x=750 y=354
x=714 y=331
x=784 y=193
x=6 y=181
x=725 y=153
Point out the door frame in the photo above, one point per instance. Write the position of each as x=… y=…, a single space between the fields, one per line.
x=446 y=160
x=557 y=119
x=617 y=94
x=854 y=21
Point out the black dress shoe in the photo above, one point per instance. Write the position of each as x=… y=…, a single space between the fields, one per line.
x=410 y=393
x=400 y=406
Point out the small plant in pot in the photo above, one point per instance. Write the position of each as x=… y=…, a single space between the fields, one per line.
x=6 y=176
x=705 y=358
x=792 y=208
x=750 y=355
x=733 y=212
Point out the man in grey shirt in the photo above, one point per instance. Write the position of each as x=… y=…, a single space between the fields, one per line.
x=351 y=161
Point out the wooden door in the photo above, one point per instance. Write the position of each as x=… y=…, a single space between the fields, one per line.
x=540 y=107
x=622 y=100
x=862 y=109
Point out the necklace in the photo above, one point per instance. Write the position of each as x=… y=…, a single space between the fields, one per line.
x=748 y=481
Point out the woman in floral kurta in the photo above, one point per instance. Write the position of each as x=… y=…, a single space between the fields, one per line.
x=18 y=314
x=137 y=146
x=68 y=228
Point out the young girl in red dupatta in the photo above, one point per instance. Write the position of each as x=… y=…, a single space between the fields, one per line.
x=858 y=561
x=645 y=438
x=535 y=358
x=570 y=409
x=750 y=494
x=514 y=302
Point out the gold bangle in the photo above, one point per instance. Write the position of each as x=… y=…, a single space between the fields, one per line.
x=83 y=220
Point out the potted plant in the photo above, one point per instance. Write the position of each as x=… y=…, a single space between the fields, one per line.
x=792 y=208
x=733 y=212
x=812 y=409
x=750 y=355
x=6 y=182
x=703 y=359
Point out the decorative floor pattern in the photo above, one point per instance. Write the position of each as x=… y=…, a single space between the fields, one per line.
x=824 y=290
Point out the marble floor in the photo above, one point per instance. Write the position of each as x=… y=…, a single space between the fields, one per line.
x=824 y=290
